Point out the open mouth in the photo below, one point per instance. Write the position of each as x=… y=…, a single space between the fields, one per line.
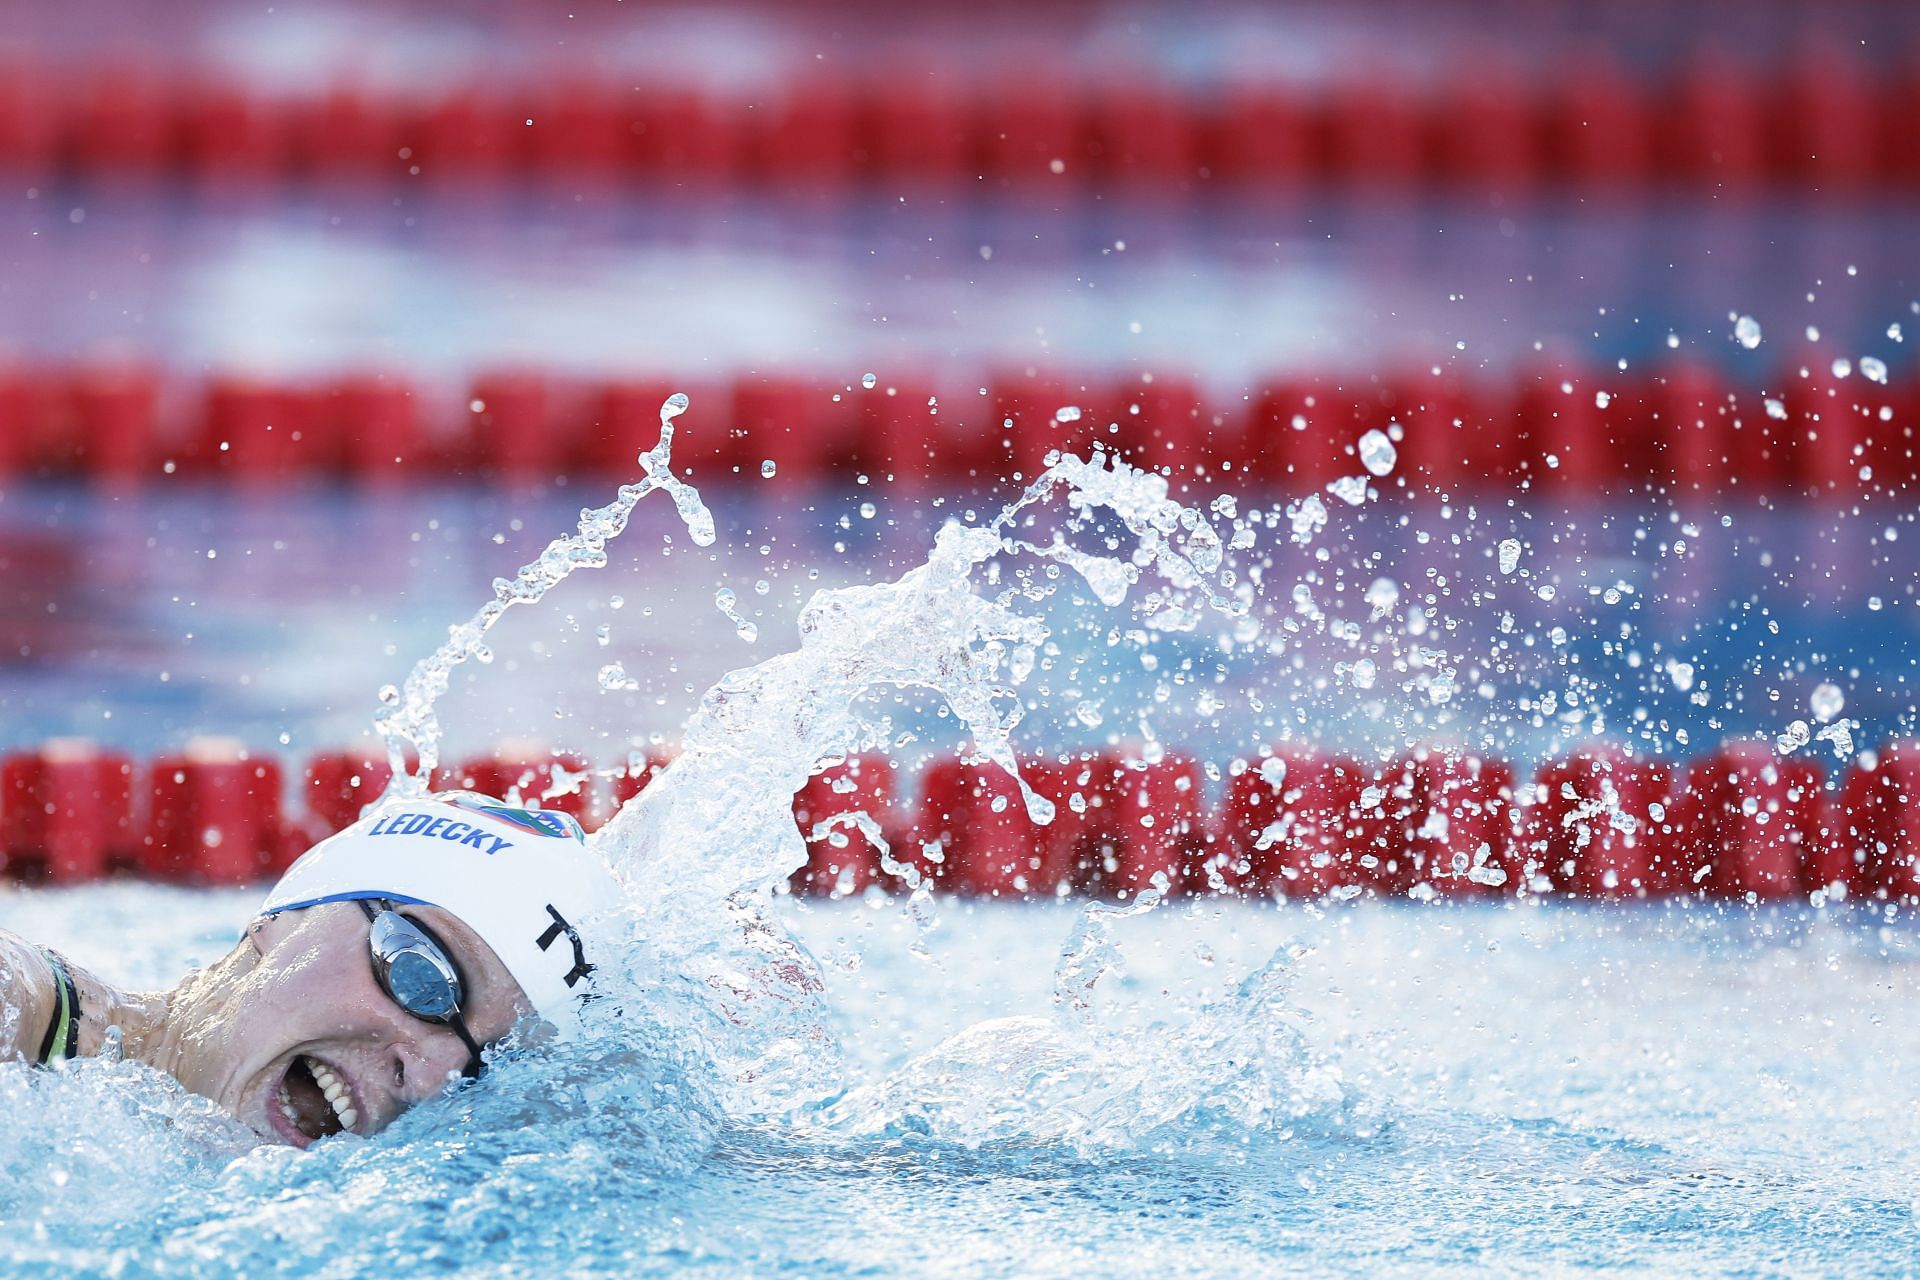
x=314 y=1102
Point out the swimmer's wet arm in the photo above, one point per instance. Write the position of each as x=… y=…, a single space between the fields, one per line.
x=26 y=998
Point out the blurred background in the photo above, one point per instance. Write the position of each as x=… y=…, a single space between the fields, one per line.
x=317 y=317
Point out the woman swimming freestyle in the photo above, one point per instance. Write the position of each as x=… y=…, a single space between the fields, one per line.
x=377 y=972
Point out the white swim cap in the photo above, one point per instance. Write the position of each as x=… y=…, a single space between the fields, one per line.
x=521 y=879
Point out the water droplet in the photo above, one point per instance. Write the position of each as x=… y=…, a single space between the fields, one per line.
x=1826 y=702
x=1775 y=409
x=1509 y=555
x=768 y=469
x=614 y=679
x=1796 y=736
x=1377 y=453
x=1894 y=331
x=725 y=601
x=1746 y=330
x=1873 y=370
x=673 y=407
x=1842 y=367
x=1364 y=674
x=1067 y=413
x=1681 y=674
x=869 y=380
x=1350 y=489
x=1382 y=596
x=1273 y=771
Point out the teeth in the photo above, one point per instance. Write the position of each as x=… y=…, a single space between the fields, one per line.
x=336 y=1092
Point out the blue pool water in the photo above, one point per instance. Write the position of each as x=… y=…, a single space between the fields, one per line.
x=1412 y=1090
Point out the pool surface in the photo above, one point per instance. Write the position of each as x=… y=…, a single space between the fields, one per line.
x=1377 y=1090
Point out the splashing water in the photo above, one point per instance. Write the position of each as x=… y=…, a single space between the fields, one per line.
x=409 y=720
x=715 y=830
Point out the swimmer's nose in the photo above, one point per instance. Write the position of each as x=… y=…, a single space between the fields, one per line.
x=422 y=1068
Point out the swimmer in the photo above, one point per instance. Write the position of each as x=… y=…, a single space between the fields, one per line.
x=375 y=976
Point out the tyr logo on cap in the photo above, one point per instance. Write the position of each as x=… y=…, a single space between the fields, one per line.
x=580 y=966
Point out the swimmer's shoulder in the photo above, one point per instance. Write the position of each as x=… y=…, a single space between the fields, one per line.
x=26 y=998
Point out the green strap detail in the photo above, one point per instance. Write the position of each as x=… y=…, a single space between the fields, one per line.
x=63 y=1033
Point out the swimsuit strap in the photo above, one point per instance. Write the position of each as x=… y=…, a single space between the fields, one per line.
x=63 y=1032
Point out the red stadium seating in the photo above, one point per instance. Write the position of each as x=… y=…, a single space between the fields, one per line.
x=843 y=861
x=66 y=808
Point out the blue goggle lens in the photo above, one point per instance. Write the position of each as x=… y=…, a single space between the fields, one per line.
x=420 y=987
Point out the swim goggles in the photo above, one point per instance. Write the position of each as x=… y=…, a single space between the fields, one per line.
x=413 y=967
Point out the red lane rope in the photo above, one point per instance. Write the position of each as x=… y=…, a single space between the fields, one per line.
x=1828 y=120
x=1741 y=824
x=1556 y=430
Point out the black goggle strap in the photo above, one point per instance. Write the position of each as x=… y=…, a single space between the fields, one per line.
x=373 y=908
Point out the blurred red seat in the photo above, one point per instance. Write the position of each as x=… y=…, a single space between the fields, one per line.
x=216 y=817
x=474 y=135
x=1030 y=125
x=235 y=139
x=1287 y=823
x=1450 y=826
x=1715 y=126
x=796 y=423
x=806 y=137
x=34 y=117
x=581 y=136
x=1300 y=429
x=261 y=432
x=972 y=834
x=1567 y=439
x=347 y=135
x=1600 y=127
x=1880 y=834
x=66 y=808
x=1686 y=411
x=1750 y=823
x=127 y=127
x=1139 y=136
x=1598 y=825
x=1049 y=410
x=1163 y=421
x=624 y=422
x=842 y=861
x=375 y=422
x=1374 y=135
x=340 y=784
x=917 y=128
x=1828 y=433
x=517 y=433
x=684 y=141
x=1261 y=137
x=115 y=423
x=1827 y=118
x=1488 y=127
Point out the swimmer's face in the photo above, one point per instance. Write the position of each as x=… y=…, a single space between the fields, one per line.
x=311 y=1018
